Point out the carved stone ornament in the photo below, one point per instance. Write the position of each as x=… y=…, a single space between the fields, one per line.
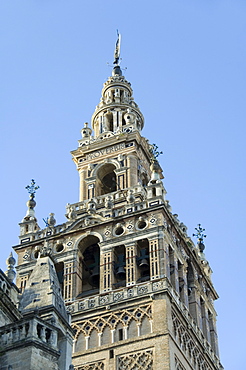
x=153 y=220
x=138 y=360
x=142 y=289
x=130 y=292
x=26 y=255
x=81 y=306
x=118 y=296
x=69 y=243
x=107 y=232
x=70 y=308
x=99 y=365
x=157 y=285
x=104 y=300
x=91 y=303
x=130 y=226
x=46 y=249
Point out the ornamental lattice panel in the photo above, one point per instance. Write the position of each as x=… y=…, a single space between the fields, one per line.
x=136 y=361
x=95 y=366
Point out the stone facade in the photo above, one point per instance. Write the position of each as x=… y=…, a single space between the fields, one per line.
x=138 y=290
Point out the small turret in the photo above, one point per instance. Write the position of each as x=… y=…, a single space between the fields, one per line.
x=29 y=223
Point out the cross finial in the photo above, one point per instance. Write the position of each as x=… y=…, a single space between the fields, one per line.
x=199 y=233
x=32 y=189
x=154 y=151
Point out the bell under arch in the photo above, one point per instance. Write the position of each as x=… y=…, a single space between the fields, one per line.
x=106 y=180
x=89 y=257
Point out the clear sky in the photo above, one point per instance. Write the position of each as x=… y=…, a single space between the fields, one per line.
x=186 y=62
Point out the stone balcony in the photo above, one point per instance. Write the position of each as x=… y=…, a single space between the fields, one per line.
x=27 y=330
x=112 y=205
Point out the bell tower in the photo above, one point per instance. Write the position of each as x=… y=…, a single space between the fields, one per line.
x=137 y=287
x=116 y=157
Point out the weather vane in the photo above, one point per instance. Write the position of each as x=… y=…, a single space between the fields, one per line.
x=154 y=151
x=32 y=189
x=199 y=233
x=117 y=49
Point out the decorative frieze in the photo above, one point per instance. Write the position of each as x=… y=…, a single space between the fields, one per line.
x=120 y=295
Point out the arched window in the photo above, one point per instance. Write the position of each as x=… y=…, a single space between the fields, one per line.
x=106 y=179
x=90 y=259
x=120 y=266
x=60 y=274
x=143 y=260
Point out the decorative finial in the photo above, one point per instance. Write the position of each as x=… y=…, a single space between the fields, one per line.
x=50 y=221
x=32 y=189
x=154 y=151
x=117 y=49
x=200 y=236
x=31 y=202
x=199 y=233
x=10 y=273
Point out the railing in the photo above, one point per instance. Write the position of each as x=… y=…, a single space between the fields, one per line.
x=34 y=329
x=136 y=191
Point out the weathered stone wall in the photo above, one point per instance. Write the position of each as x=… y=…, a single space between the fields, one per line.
x=29 y=358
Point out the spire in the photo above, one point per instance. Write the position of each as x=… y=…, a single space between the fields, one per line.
x=117 y=111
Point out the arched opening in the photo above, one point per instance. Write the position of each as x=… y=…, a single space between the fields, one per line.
x=60 y=274
x=106 y=179
x=90 y=259
x=181 y=282
x=120 y=266
x=119 y=332
x=172 y=267
x=143 y=260
x=80 y=343
x=108 y=121
x=143 y=179
x=192 y=300
x=190 y=278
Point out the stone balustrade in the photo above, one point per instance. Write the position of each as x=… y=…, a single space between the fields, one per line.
x=34 y=329
x=138 y=192
x=135 y=202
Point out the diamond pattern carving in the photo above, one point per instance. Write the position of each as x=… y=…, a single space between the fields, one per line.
x=136 y=361
x=95 y=366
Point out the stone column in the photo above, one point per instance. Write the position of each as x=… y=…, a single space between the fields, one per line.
x=131 y=264
x=154 y=258
x=132 y=164
x=106 y=270
x=194 y=305
x=69 y=279
x=82 y=185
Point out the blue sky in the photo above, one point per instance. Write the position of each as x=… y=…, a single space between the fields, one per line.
x=186 y=62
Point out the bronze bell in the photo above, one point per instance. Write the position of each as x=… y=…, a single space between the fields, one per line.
x=143 y=265
x=94 y=278
x=120 y=273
